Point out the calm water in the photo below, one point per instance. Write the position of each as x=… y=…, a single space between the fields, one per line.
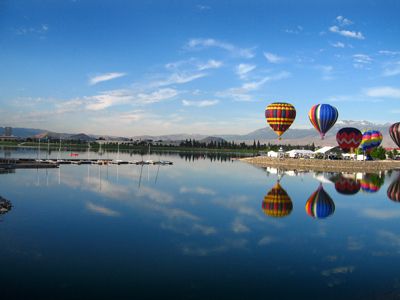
x=199 y=229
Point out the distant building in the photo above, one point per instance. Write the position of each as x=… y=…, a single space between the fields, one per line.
x=8 y=131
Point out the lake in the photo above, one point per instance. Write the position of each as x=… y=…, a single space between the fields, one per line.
x=203 y=228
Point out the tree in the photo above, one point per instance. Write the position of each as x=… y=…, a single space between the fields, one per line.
x=378 y=153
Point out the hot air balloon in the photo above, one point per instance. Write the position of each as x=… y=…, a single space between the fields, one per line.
x=348 y=138
x=323 y=117
x=277 y=203
x=393 y=191
x=371 y=183
x=5 y=206
x=280 y=116
x=394 y=132
x=320 y=205
x=347 y=186
x=370 y=140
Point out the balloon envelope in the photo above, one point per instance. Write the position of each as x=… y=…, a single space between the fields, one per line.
x=277 y=203
x=323 y=117
x=371 y=183
x=320 y=205
x=370 y=140
x=280 y=116
x=347 y=186
x=348 y=138
x=394 y=132
x=393 y=191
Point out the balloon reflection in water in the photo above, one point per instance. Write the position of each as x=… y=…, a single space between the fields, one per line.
x=371 y=183
x=277 y=203
x=347 y=186
x=320 y=205
x=393 y=191
x=5 y=206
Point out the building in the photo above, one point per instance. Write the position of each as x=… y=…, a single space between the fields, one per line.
x=7 y=131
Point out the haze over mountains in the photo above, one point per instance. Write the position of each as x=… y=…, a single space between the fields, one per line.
x=264 y=135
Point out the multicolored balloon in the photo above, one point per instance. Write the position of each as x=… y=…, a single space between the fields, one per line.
x=371 y=183
x=370 y=140
x=393 y=191
x=348 y=138
x=323 y=117
x=347 y=186
x=280 y=116
x=277 y=203
x=394 y=132
x=320 y=205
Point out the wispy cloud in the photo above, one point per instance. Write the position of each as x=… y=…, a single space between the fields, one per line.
x=273 y=58
x=392 y=69
x=202 y=7
x=201 y=103
x=196 y=44
x=242 y=70
x=210 y=64
x=338 y=45
x=361 y=60
x=38 y=30
x=101 y=210
x=239 y=227
x=342 y=21
x=381 y=214
x=347 y=33
x=178 y=78
x=388 y=52
x=296 y=30
x=105 y=77
x=326 y=71
x=383 y=92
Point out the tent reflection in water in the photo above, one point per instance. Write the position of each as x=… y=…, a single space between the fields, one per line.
x=393 y=191
x=347 y=186
x=5 y=206
x=277 y=202
x=320 y=205
x=371 y=183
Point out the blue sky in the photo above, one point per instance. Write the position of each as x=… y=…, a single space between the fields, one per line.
x=211 y=67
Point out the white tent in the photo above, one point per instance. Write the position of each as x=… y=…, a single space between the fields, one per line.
x=325 y=149
x=300 y=153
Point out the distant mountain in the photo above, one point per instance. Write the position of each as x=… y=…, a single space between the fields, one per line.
x=23 y=132
x=170 y=137
x=213 y=139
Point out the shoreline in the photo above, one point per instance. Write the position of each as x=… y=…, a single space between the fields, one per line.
x=323 y=165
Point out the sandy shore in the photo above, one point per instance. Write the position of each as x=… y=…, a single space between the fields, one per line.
x=323 y=165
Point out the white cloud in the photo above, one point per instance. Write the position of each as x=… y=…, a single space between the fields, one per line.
x=203 y=7
x=266 y=240
x=381 y=214
x=338 y=45
x=347 y=33
x=243 y=69
x=194 y=44
x=198 y=190
x=297 y=30
x=392 y=70
x=326 y=72
x=39 y=30
x=105 y=77
x=202 y=103
x=342 y=21
x=210 y=64
x=101 y=210
x=156 y=96
x=383 y=92
x=239 y=227
x=390 y=53
x=178 y=78
x=361 y=60
x=273 y=58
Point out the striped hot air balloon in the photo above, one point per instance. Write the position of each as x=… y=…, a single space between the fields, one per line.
x=280 y=116
x=323 y=117
x=320 y=205
x=394 y=132
x=371 y=183
x=277 y=203
x=393 y=191
x=370 y=140
x=347 y=186
x=348 y=138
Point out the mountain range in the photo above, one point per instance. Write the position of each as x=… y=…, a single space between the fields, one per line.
x=293 y=136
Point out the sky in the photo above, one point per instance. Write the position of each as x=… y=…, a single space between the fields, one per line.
x=132 y=68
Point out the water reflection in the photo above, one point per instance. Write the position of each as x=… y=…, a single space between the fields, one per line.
x=371 y=183
x=393 y=191
x=320 y=205
x=347 y=184
x=277 y=202
x=5 y=206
